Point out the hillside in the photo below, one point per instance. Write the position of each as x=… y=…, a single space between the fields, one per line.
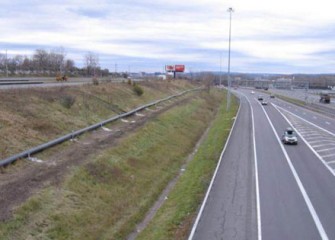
x=101 y=185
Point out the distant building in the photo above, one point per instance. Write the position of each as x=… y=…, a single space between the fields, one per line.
x=161 y=77
x=283 y=83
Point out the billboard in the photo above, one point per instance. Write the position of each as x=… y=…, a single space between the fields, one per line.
x=169 y=68
x=179 y=68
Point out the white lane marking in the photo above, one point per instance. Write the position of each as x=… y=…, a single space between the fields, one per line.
x=329 y=155
x=314 y=140
x=328 y=123
x=325 y=130
x=320 y=141
x=330 y=162
x=323 y=145
x=258 y=205
x=307 y=143
x=325 y=150
x=313 y=134
x=195 y=225
x=308 y=202
x=124 y=120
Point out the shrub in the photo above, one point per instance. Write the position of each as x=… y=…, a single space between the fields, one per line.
x=138 y=90
x=95 y=81
x=129 y=81
x=67 y=101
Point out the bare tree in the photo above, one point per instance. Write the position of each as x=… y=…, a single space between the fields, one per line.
x=41 y=60
x=91 y=63
x=69 y=65
x=2 y=62
x=58 y=59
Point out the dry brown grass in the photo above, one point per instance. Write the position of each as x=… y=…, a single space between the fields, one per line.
x=29 y=117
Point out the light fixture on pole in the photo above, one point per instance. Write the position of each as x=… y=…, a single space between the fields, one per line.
x=230 y=10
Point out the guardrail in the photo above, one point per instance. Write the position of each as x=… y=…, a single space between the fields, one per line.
x=69 y=136
x=19 y=83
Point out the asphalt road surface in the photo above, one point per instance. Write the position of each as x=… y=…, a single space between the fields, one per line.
x=266 y=190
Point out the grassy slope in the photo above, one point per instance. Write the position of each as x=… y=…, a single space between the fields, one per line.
x=174 y=219
x=29 y=117
x=105 y=198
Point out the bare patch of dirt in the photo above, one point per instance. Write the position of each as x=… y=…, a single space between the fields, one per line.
x=20 y=181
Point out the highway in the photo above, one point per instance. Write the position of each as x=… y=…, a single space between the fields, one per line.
x=266 y=190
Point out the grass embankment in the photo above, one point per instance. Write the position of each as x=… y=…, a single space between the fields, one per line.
x=29 y=117
x=105 y=198
x=292 y=100
x=174 y=220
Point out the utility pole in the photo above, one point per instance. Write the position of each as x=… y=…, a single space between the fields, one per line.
x=230 y=10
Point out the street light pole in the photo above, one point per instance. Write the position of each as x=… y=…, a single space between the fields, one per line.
x=220 y=69
x=230 y=10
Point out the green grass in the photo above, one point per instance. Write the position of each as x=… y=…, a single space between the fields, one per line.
x=105 y=198
x=292 y=100
x=174 y=219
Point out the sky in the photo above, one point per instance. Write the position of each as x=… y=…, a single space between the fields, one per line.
x=287 y=36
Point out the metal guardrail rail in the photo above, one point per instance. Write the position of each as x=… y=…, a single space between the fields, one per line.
x=69 y=136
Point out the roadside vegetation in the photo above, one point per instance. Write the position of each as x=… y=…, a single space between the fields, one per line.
x=175 y=218
x=106 y=197
x=29 y=117
x=292 y=100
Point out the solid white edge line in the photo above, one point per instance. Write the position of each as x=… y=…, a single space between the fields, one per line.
x=305 y=141
x=258 y=205
x=308 y=202
x=195 y=225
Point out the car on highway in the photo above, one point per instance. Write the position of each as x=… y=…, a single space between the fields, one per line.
x=260 y=98
x=289 y=137
x=264 y=103
x=252 y=92
x=272 y=96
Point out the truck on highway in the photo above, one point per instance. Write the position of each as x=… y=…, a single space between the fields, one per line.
x=324 y=97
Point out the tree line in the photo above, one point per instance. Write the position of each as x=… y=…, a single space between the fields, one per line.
x=50 y=63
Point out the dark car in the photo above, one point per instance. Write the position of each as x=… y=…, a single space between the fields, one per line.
x=272 y=96
x=260 y=98
x=289 y=137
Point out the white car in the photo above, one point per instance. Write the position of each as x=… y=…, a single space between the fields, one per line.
x=289 y=137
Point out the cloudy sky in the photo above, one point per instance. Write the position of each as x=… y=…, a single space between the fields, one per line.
x=287 y=36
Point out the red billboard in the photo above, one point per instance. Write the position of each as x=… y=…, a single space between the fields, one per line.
x=169 y=68
x=179 y=68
